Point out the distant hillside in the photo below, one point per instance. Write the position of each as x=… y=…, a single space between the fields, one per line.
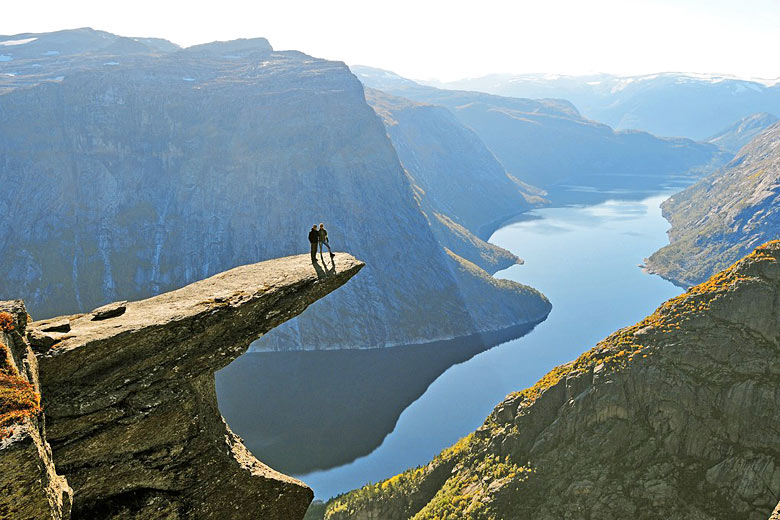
x=463 y=189
x=672 y=418
x=724 y=216
x=667 y=104
x=733 y=138
x=127 y=173
x=547 y=142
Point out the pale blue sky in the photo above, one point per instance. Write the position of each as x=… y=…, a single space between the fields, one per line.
x=454 y=39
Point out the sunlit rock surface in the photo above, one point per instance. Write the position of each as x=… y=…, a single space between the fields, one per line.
x=674 y=417
x=129 y=397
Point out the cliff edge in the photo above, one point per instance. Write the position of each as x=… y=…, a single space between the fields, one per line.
x=129 y=400
x=674 y=417
x=30 y=488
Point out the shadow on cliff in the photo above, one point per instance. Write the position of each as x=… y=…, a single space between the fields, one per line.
x=303 y=411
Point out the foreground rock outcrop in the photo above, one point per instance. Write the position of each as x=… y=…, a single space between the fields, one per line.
x=674 y=417
x=30 y=488
x=725 y=216
x=131 y=409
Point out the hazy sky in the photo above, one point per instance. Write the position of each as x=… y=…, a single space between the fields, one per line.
x=453 y=39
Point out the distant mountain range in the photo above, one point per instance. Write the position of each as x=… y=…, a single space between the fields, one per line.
x=546 y=142
x=666 y=104
x=131 y=167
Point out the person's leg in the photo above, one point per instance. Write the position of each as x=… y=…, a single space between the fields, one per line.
x=313 y=251
x=327 y=244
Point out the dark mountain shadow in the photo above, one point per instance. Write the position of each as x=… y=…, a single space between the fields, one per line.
x=308 y=410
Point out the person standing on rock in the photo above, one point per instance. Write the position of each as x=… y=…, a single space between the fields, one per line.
x=314 y=237
x=324 y=241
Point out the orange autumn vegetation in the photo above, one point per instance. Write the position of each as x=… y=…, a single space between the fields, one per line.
x=18 y=398
x=6 y=321
x=623 y=346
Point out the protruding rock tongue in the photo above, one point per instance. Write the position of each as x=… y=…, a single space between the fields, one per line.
x=130 y=401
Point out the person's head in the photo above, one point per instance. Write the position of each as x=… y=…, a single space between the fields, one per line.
x=322 y=225
x=314 y=226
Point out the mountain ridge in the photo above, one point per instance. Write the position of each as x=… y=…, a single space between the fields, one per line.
x=667 y=103
x=722 y=217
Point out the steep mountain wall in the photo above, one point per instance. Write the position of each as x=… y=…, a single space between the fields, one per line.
x=674 y=417
x=724 y=216
x=132 y=174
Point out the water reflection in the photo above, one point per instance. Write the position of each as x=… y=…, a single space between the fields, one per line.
x=329 y=407
x=303 y=411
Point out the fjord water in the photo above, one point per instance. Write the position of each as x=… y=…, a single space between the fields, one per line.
x=291 y=406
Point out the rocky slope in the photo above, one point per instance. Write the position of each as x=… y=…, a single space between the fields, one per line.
x=30 y=488
x=131 y=173
x=131 y=409
x=671 y=103
x=547 y=142
x=674 y=417
x=723 y=217
x=734 y=137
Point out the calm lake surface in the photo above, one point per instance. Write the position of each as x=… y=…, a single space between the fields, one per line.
x=340 y=419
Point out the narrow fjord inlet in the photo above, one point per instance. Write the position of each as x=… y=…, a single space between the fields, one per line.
x=570 y=254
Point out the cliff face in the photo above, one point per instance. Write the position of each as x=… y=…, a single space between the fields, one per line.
x=131 y=410
x=547 y=142
x=723 y=217
x=30 y=488
x=144 y=172
x=674 y=417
